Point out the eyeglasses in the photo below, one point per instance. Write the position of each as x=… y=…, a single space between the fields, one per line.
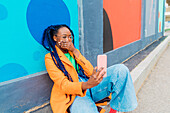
x=65 y=36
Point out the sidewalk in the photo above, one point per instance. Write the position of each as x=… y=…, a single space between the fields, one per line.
x=154 y=96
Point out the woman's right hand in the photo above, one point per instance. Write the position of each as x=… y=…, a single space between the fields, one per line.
x=94 y=79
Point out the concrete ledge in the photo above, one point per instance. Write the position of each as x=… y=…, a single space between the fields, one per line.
x=143 y=69
x=21 y=94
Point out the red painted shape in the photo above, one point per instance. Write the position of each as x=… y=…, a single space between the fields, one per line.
x=125 y=20
x=112 y=110
x=160 y=26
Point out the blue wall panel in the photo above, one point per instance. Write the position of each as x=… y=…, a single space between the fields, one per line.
x=150 y=17
x=21 y=27
x=93 y=29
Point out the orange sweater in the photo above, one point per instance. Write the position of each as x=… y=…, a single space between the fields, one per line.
x=59 y=101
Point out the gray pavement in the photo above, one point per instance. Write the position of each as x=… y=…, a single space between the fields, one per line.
x=154 y=96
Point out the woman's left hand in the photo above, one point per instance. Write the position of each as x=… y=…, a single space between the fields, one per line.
x=67 y=45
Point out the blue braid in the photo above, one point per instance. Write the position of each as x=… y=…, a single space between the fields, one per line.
x=60 y=64
x=51 y=47
x=48 y=36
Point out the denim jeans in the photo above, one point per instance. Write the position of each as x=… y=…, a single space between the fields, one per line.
x=118 y=82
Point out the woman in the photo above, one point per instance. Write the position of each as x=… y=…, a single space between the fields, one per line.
x=77 y=85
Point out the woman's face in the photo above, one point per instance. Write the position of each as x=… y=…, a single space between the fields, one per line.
x=63 y=36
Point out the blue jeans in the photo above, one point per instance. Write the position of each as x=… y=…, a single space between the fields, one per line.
x=119 y=83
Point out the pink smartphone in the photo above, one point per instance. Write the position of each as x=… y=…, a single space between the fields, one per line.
x=102 y=62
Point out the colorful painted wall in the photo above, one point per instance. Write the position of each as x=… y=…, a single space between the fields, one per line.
x=122 y=18
x=160 y=17
x=21 y=26
x=150 y=18
x=129 y=26
x=126 y=22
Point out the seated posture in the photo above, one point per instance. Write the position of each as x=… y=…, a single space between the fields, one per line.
x=77 y=85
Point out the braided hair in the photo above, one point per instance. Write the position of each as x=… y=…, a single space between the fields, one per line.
x=49 y=44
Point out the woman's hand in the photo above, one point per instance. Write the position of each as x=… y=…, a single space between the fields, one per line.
x=67 y=45
x=94 y=79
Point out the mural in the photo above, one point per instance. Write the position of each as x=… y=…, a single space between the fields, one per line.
x=150 y=18
x=21 y=24
x=160 y=13
x=122 y=23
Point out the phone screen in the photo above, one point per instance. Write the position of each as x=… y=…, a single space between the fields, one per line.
x=102 y=62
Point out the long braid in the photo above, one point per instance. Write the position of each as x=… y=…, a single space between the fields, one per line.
x=47 y=35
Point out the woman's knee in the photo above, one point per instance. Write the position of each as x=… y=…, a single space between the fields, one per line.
x=119 y=70
x=119 y=74
x=122 y=67
x=83 y=105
